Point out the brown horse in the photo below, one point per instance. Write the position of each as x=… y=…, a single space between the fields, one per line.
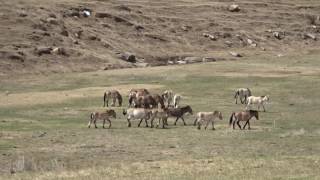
x=179 y=112
x=114 y=95
x=143 y=102
x=102 y=116
x=236 y=117
x=159 y=100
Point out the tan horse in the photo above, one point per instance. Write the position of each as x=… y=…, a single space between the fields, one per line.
x=114 y=95
x=236 y=117
x=102 y=116
x=161 y=114
x=137 y=113
x=207 y=117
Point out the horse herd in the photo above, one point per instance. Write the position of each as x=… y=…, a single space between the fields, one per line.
x=145 y=106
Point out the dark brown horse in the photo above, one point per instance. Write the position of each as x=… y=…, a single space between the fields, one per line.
x=143 y=102
x=159 y=100
x=179 y=112
x=236 y=117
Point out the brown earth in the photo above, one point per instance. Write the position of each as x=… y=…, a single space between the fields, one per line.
x=41 y=36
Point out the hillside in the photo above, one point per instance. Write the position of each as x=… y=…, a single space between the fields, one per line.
x=41 y=36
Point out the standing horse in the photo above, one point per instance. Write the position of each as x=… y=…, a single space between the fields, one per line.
x=179 y=112
x=167 y=96
x=143 y=102
x=114 y=95
x=159 y=100
x=161 y=114
x=102 y=116
x=236 y=117
x=243 y=94
x=207 y=117
x=261 y=100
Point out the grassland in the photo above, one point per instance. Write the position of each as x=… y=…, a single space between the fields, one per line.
x=44 y=134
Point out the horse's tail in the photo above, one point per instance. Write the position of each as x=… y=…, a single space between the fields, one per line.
x=91 y=116
x=236 y=94
x=231 y=118
x=104 y=99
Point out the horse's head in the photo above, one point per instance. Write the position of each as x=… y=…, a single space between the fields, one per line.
x=255 y=114
x=189 y=110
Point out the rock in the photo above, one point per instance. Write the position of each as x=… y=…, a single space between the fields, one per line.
x=52 y=21
x=103 y=15
x=64 y=33
x=249 y=41
x=182 y=62
x=210 y=36
x=234 y=8
x=209 y=59
x=78 y=34
x=43 y=50
x=86 y=13
x=60 y=51
x=192 y=59
x=23 y=14
x=235 y=54
x=129 y=57
x=186 y=28
x=139 y=27
x=276 y=35
x=310 y=36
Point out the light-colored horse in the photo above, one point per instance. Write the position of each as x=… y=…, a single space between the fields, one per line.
x=167 y=96
x=260 y=101
x=207 y=117
x=137 y=113
x=101 y=116
x=236 y=117
x=114 y=95
x=242 y=94
x=161 y=114
x=176 y=100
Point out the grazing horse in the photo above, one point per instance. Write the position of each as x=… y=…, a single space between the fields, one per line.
x=102 y=116
x=236 y=117
x=207 y=117
x=161 y=114
x=167 y=96
x=176 y=100
x=243 y=94
x=179 y=112
x=114 y=95
x=137 y=113
x=257 y=100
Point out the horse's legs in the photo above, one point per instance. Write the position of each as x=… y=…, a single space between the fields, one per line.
x=140 y=122
x=146 y=120
x=184 y=123
x=109 y=123
x=244 y=127
x=206 y=125
x=151 y=121
x=95 y=123
x=234 y=122
x=89 y=124
x=199 y=125
x=249 y=125
x=195 y=122
x=212 y=122
x=104 y=121
x=175 y=123
x=129 y=123
x=263 y=108
x=238 y=123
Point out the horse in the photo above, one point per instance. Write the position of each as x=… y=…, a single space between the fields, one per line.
x=261 y=100
x=236 y=117
x=161 y=114
x=137 y=113
x=207 y=117
x=114 y=95
x=176 y=100
x=179 y=112
x=102 y=116
x=167 y=96
x=147 y=102
x=159 y=100
x=243 y=94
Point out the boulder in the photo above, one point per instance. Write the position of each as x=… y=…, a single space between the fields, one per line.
x=234 y=8
x=43 y=50
x=310 y=36
x=129 y=57
x=235 y=54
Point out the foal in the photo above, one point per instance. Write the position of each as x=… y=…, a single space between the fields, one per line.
x=102 y=116
x=236 y=117
x=179 y=112
x=207 y=117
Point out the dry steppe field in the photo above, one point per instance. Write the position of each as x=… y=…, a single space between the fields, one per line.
x=46 y=100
